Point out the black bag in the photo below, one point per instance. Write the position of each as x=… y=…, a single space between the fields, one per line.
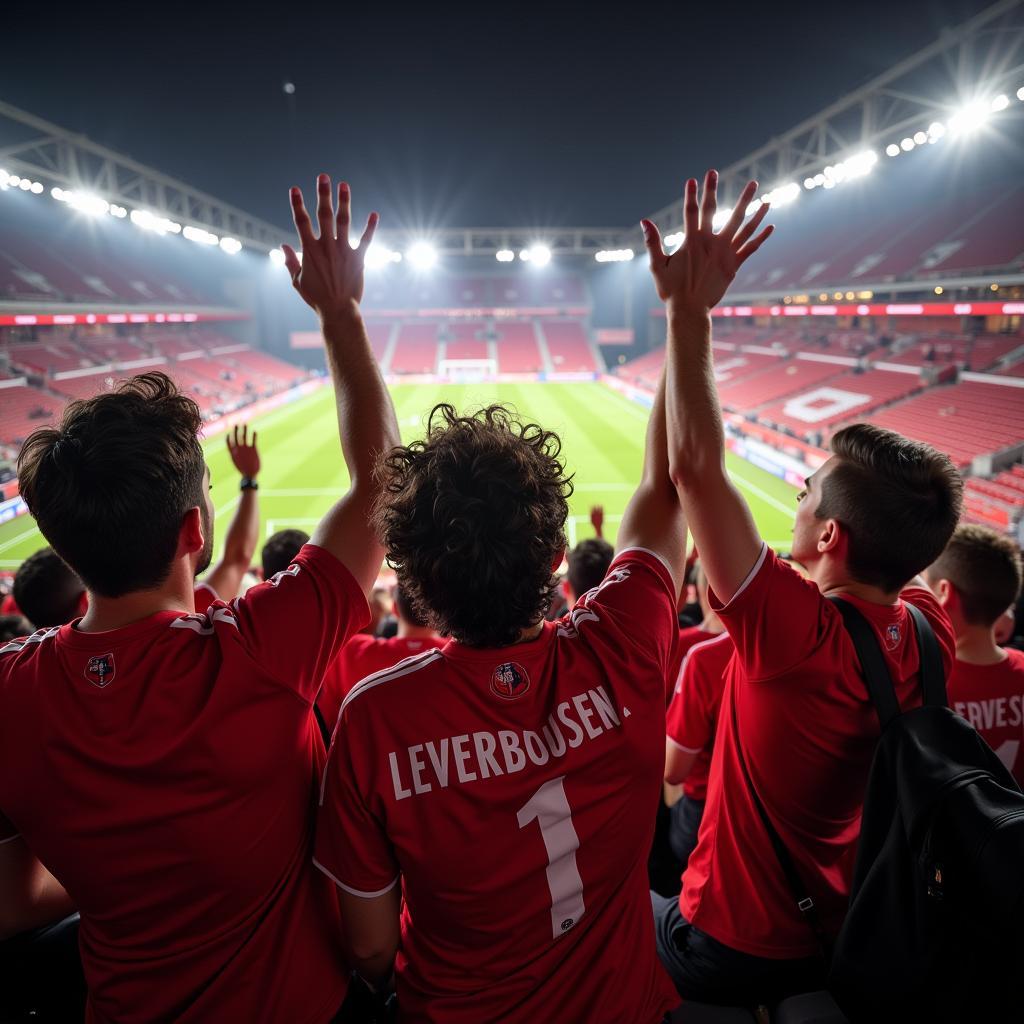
x=936 y=915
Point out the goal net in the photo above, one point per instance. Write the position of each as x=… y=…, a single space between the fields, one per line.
x=467 y=371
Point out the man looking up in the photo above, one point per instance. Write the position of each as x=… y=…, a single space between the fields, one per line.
x=162 y=765
x=795 y=709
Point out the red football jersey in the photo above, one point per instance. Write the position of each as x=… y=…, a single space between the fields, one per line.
x=688 y=637
x=514 y=790
x=693 y=714
x=991 y=698
x=809 y=732
x=167 y=773
x=362 y=656
x=204 y=596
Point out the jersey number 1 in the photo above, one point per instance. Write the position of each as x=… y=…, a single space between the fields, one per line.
x=554 y=815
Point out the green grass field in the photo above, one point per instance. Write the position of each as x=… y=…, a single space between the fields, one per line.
x=303 y=473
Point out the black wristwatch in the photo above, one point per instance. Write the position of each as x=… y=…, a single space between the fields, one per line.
x=248 y=484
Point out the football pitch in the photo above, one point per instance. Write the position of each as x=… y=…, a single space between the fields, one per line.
x=303 y=472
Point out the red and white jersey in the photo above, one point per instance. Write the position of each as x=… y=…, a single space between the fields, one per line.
x=693 y=714
x=204 y=595
x=991 y=698
x=809 y=731
x=362 y=656
x=689 y=636
x=514 y=792
x=167 y=773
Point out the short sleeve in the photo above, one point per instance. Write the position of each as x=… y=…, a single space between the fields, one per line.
x=7 y=829
x=351 y=845
x=295 y=623
x=776 y=618
x=631 y=616
x=691 y=717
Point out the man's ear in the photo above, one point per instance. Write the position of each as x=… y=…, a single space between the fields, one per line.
x=945 y=592
x=190 y=536
x=832 y=537
x=83 y=603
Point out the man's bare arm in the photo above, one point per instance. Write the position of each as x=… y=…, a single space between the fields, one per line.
x=330 y=279
x=30 y=896
x=372 y=927
x=691 y=282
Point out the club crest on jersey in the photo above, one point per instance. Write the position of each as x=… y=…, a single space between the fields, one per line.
x=892 y=636
x=100 y=670
x=509 y=681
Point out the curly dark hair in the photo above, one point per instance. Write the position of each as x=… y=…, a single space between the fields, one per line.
x=473 y=519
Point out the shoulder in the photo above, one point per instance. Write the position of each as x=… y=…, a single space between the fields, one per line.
x=381 y=686
x=27 y=645
x=1014 y=659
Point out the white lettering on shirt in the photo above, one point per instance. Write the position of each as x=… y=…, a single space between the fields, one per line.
x=418 y=768
x=400 y=791
x=995 y=713
x=461 y=757
x=586 y=714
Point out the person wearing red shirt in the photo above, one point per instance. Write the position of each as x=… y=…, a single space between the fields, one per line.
x=364 y=655
x=795 y=706
x=976 y=579
x=159 y=767
x=223 y=581
x=488 y=807
x=689 y=636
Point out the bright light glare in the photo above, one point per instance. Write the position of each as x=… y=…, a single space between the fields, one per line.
x=118 y=211
x=614 y=255
x=1020 y=96
x=37 y=188
x=504 y=255
x=674 y=240
x=540 y=255
x=24 y=184
x=892 y=149
x=936 y=130
x=86 y=203
x=422 y=255
x=151 y=222
x=276 y=257
x=907 y=144
x=920 y=138
x=231 y=245
x=778 y=196
x=379 y=255
x=969 y=118
x=1000 y=102
x=200 y=235
x=810 y=183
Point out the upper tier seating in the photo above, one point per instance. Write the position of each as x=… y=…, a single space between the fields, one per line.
x=517 y=347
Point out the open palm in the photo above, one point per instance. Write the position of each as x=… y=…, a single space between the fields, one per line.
x=697 y=275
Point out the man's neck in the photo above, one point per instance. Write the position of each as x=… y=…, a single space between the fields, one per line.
x=407 y=632
x=176 y=593
x=833 y=581
x=975 y=645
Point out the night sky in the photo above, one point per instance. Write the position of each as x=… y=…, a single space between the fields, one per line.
x=444 y=115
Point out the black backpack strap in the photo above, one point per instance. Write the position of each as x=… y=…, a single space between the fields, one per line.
x=933 y=676
x=872 y=661
x=804 y=901
x=322 y=722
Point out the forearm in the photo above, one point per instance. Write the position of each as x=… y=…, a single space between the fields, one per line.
x=366 y=417
x=39 y=899
x=376 y=970
x=244 y=532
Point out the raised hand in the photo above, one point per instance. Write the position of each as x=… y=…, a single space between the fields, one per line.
x=244 y=453
x=330 y=275
x=696 y=276
x=597 y=520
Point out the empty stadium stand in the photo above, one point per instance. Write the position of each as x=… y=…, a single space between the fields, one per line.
x=517 y=348
x=568 y=346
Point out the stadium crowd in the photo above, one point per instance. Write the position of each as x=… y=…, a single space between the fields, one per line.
x=293 y=795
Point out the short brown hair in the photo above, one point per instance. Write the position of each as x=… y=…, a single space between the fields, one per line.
x=588 y=564
x=46 y=590
x=472 y=519
x=985 y=568
x=899 y=501
x=110 y=484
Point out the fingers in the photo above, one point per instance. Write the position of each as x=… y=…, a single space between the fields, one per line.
x=245 y=434
x=751 y=226
x=691 y=212
x=709 y=202
x=292 y=264
x=303 y=225
x=652 y=241
x=368 y=232
x=344 y=217
x=253 y=441
x=740 y=210
x=751 y=247
x=324 y=207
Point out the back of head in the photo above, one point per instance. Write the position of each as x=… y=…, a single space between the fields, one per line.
x=985 y=569
x=110 y=484
x=405 y=609
x=280 y=550
x=472 y=519
x=898 y=500
x=588 y=564
x=46 y=590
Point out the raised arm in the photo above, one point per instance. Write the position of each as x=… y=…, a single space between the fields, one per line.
x=244 y=532
x=691 y=282
x=654 y=517
x=330 y=279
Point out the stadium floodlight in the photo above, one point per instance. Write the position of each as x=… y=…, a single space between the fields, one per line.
x=907 y=144
x=504 y=255
x=538 y=254
x=151 y=222
x=37 y=188
x=85 y=202
x=719 y=219
x=379 y=255
x=935 y=131
x=1020 y=94
x=809 y=183
x=422 y=255
x=920 y=138
x=25 y=184
x=969 y=118
x=674 y=240
x=1000 y=102
x=892 y=149
x=778 y=196
x=276 y=257
x=614 y=255
x=200 y=235
x=231 y=246
x=59 y=194
x=118 y=211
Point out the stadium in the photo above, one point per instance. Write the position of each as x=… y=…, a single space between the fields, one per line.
x=892 y=294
